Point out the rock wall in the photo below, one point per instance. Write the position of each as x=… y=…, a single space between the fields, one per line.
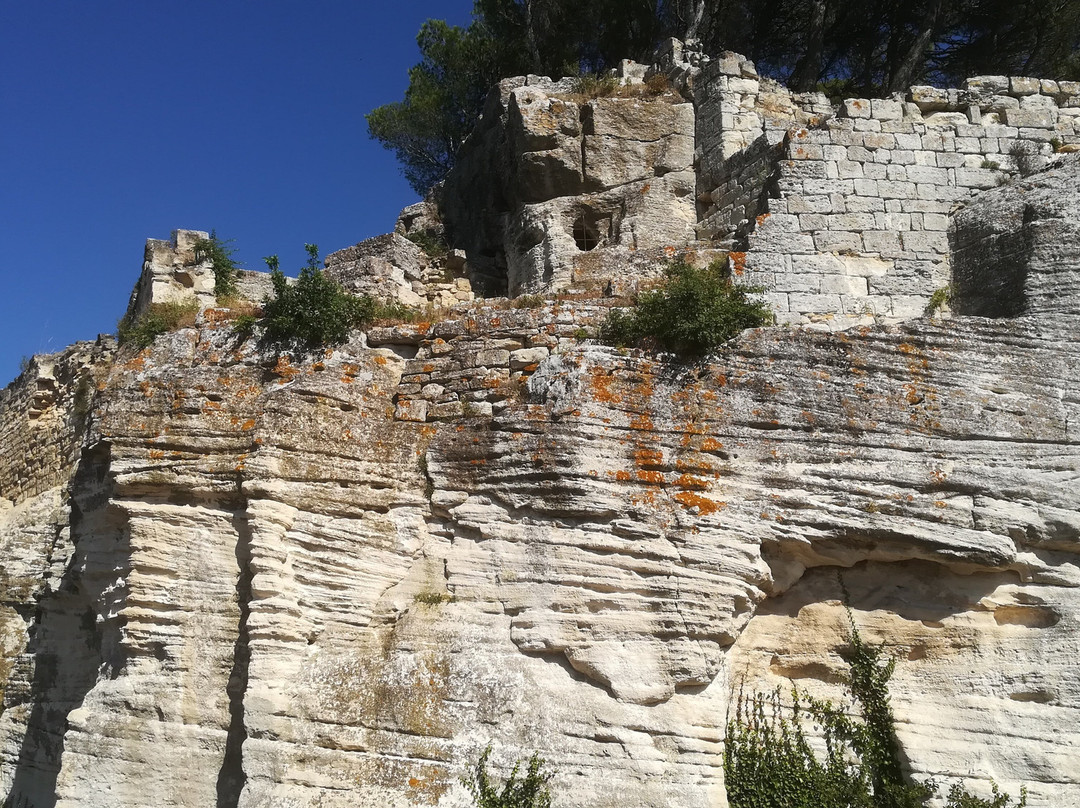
x=236 y=577
x=551 y=176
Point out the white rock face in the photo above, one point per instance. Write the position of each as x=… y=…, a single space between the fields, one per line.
x=233 y=578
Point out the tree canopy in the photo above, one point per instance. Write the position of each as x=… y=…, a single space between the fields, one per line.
x=855 y=47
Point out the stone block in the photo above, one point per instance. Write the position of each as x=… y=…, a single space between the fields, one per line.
x=856 y=108
x=801 y=282
x=411 y=410
x=897 y=190
x=810 y=222
x=1037 y=102
x=884 y=242
x=925 y=242
x=879 y=140
x=849 y=169
x=986 y=86
x=527 y=357
x=854 y=222
x=837 y=241
x=811 y=203
x=866 y=187
x=867 y=125
x=935 y=221
x=495 y=357
x=1031 y=118
x=843 y=285
x=863 y=204
x=949 y=159
x=1021 y=85
x=929 y=99
x=875 y=171
x=936 y=176
x=815 y=303
x=976 y=178
x=886 y=109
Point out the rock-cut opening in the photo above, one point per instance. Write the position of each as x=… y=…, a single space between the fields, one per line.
x=586 y=236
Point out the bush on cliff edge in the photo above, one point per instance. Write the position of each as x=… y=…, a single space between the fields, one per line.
x=315 y=310
x=692 y=312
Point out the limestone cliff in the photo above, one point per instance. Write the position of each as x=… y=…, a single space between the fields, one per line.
x=234 y=577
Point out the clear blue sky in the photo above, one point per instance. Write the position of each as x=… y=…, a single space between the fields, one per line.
x=122 y=120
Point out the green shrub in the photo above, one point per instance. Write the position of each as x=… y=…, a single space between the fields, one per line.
x=159 y=319
x=770 y=763
x=993 y=165
x=219 y=253
x=941 y=297
x=691 y=313
x=528 y=791
x=316 y=311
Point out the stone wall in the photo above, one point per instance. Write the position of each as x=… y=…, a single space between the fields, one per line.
x=849 y=225
x=480 y=363
x=43 y=415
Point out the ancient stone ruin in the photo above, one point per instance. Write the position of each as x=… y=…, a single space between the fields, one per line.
x=236 y=576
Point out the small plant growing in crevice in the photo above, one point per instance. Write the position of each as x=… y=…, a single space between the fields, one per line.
x=528 y=302
x=993 y=165
x=1027 y=157
x=521 y=789
x=159 y=319
x=24 y=363
x=941 y=297
x=595 y=85
x=220 y=255
x=429 y=598
x=692 y=312
x=1055 y=144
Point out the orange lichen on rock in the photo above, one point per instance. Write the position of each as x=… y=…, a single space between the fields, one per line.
x=690 y=482
x=284 y=368
x=651 y=477
x=705 y=506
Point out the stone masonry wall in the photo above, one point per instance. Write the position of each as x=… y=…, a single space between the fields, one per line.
x=479 y=364
x=850 y=225
x=42 y=417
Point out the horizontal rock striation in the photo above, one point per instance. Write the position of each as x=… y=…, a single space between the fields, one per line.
x=235 y=577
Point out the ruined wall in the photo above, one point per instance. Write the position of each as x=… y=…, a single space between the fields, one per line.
x=848 y=224
x=43 y=414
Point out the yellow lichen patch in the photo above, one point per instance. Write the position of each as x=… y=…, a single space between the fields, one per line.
x=601 y=385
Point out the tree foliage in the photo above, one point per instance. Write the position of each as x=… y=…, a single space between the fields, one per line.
x=692 y=312
x=858 y=47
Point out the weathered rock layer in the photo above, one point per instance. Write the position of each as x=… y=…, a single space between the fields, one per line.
x=233 y=578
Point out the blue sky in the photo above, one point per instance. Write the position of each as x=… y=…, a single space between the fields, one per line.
x=121 y=120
